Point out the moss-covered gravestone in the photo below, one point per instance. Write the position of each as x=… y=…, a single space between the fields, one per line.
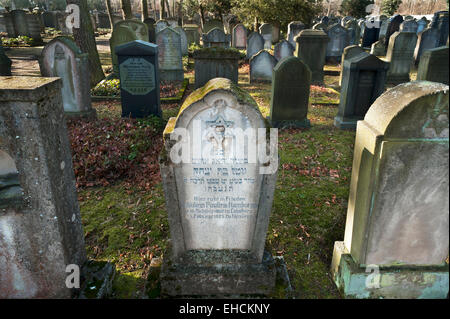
x=139 y=79
x=311 y=49
x=62 y=58
x=433 y=66
x=396 y=236
x=290 y=94
x=400 y=54
x=218 y=195
x=363 y=81
x=40 y=223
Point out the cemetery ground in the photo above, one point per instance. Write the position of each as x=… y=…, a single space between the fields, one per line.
x=122 y=199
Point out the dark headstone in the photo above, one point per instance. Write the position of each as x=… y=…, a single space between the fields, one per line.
x=426 y=40
x=393 y=26
x=433 y=66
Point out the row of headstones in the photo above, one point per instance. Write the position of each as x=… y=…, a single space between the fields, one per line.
x=397 y=211
x=21 y=23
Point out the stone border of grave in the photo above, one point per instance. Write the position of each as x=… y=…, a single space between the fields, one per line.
x=165 y=100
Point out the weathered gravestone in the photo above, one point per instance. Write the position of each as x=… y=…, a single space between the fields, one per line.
x=426 y=40
x=183 y=39
x=320 y=26
x=41 y=231
x=255 y=43
x=160 y=25
x=218 y=195
x=192 y=33
x=283 y=49
x=211 y=24
x=239 y=38
x=371 y=32
x=139 y=79
x=290 y=94
x=266 y=32
x=409 y=26
x=393 y=26
x=216 y=38
x=421 y=25
x=150 y=23
x=62 y=58
x=311 y=49
x=215 y=62
x=363 y=80
x=353 y=31
x=126 y=31
x=400 y=55
x=169 y=55
x=338 y=41
x=294 y=29
x=440 y=22
x=275 y=33
x=384 y=23
x=433 y=65
x=261 y=66
x=378 y=48
x=349 y=52
x=396 y=236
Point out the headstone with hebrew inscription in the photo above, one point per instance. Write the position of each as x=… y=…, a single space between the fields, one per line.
x=139 y=79
x=170 y=55
x=400 y=54
x=219 y=194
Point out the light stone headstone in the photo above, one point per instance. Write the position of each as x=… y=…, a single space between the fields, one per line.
x=40 y=223
x=169 y=55
x=378 y=48
x=400 y=54
x=216 y=38
x=261 y=66
x=290 y=94
x=433 y=65
x=338 y=41
x=62 y=58
x=349 y=52
x=294 y=29
x=218 y=200
x=283 y=49
x=239 y=37
x=255 y=43
x=160 y=25
x=126 y=31
x=409 y=26
x=266 y=32
x=398 y=207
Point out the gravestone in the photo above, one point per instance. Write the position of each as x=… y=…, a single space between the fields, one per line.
x=126 y=31
x=378 y=48
x=283 y=49
x=409 y=26
x=325 y=20
x=239 y=39
x=290 y=94
x=338 y=41
x=173 y=22
x=169 y=55
x=103 y=20
x=320 y=26
x=211 y=24
x=160 y=25
x=183 y=39
x=215 y=62
x=394 y=26
x=62 y=58
x=345 y=20
x=353 y=31
x=311 y=49
x=216 y=38
x=261 y=66
x=275 y=33
x=294 y=29
x=41 y=231
x=266 y=32
x=139 y=79
x=219 y=198
x=150 y=23
x=400 y=54
x=440 y=22
x=433 y=65
x=49 y=19
x=384 y=23
x=349 y=52
x=371 y=32
x=255 y=43
x=363 y=81
x=421 y=25
x=396 y=236
x=192 y=33
x=426 y=40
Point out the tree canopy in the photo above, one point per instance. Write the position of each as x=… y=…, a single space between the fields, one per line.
x=355 y=8
x=390 y=6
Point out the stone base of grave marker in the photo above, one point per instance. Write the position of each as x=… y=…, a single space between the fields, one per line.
x=218 y=272
x=90 y=114
x=394 y=282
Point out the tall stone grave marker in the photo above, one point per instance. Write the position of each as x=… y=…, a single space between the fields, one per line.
x=62 y=58
x=139 y=79
x=338 y=41
x=255 y=43
x=266 y=32
x=41 y=231
x=183 y=39
x=150 y=22
x=218 y=199
x=311 y=49
x=363 y=80
x=294 y=29
x=433 y=65
x=283 y=49
x=426 y=40
x=400 y=55
x=192 y=33
x=349 y=52
x=290 y=94
x=261 y=66
x=239 y=38
x=216 y=38
x=371 y=32
x=396 y=236
x=169 y=55
x=353 y=31
x=394 y=26
x=440 y=22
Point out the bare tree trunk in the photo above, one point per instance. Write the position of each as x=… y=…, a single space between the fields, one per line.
x=85 y=39
x=180 y=12
x=110 y=13
x=126 y=9
x=202 y=16
x=162 y=5
x=144 y=8
x=168 y=9
x=154 y=9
